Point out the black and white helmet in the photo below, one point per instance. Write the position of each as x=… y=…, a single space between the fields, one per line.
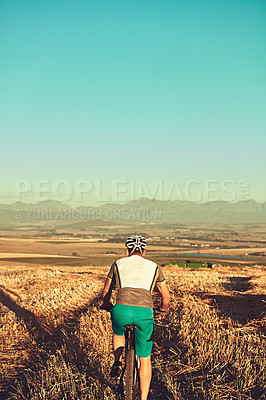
x=135 y=243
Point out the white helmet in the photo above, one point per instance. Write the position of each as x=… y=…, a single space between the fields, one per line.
x=135 y=243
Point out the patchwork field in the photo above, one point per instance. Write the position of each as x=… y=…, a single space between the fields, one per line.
x=55 y=343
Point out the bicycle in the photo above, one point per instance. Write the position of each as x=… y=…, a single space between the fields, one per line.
x=129 y=380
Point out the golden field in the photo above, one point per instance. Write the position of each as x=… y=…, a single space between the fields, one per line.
x=55 y=343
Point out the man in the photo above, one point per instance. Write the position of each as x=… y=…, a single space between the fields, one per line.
x=135 y=277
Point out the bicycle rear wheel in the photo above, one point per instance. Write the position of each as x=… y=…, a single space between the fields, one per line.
x=129 y=375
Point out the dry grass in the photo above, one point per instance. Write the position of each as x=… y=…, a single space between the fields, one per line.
x=214 y=345
x=56 y=344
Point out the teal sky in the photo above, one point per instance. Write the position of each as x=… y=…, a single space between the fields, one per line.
x=104 y=90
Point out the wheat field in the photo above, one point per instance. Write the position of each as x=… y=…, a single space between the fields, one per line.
x=55 y=343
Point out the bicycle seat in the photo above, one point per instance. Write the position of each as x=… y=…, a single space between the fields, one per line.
x=130 y=326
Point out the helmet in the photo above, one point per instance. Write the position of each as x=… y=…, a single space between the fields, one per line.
x=135 y=243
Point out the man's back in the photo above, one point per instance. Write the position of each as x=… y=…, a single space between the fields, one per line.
x=136 y=272
x=135 y=278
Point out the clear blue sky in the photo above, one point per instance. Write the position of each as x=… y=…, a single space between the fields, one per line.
x=112 y=89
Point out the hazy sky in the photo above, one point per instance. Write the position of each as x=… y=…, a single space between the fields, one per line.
x=115 y=93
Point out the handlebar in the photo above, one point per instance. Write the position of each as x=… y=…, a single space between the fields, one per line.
x=108 y=307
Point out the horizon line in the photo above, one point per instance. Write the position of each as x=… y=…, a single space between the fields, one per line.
x=70 y=204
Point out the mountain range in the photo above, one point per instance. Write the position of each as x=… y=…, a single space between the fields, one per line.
x=141 y=210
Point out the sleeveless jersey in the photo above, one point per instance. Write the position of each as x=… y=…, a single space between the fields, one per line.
x=135 y=278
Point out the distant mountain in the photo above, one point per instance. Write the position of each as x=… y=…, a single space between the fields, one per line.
x=141 y=210
x=191 y=212
x=19 y=213
x=45 y=204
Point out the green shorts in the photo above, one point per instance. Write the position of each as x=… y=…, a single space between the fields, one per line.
x=142 y=317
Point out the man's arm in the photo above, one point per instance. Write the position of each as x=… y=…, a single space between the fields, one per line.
x=106 y=290
x=108 y=287
x=163 y=289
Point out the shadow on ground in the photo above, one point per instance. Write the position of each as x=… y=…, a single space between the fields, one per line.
x=238 y=305
x=48 y=340
x=238 y=284
x=241 y=308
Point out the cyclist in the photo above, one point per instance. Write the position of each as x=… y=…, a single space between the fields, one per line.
x=135 y=277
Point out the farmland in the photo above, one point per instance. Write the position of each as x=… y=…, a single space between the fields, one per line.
x=55 y=343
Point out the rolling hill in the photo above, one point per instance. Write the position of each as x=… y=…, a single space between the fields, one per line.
x=141 y=210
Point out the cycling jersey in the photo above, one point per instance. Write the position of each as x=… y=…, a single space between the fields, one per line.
x=135 y=278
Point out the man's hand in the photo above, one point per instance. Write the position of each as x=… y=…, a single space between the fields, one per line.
x=160 y=309
x=106 y=306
